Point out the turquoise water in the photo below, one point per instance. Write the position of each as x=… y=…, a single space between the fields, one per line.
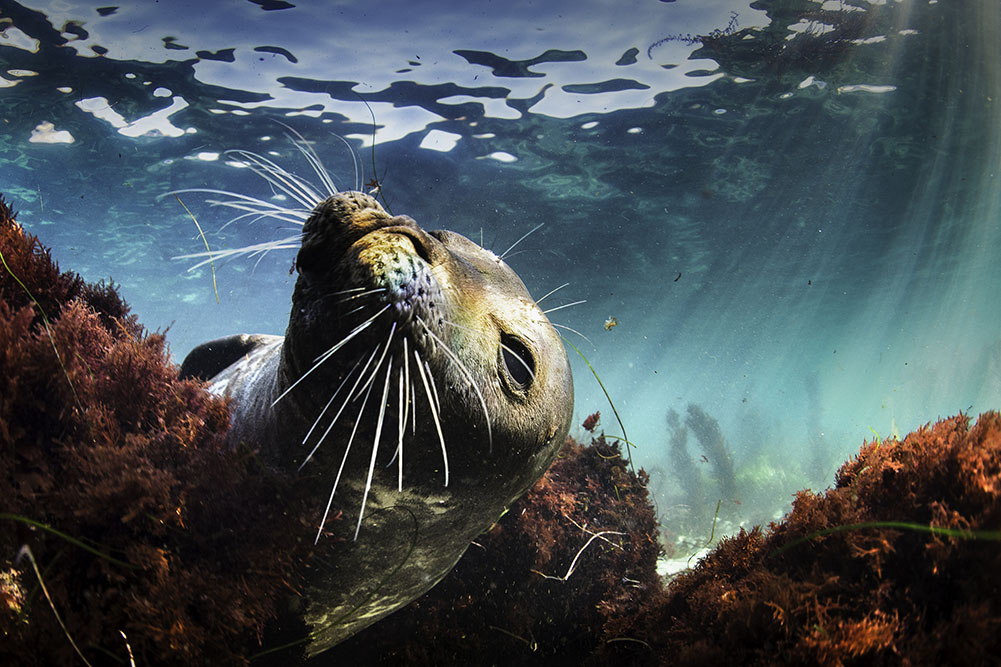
x=795 y=224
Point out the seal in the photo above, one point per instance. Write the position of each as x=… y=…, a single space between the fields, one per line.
x=418 y=388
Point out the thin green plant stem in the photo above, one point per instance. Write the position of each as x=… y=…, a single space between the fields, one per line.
x=48 y=331
x=215 y=287
x=938 y=531
x=26 y=551
x=69 y=538
x=712 y=531
x=629 y=454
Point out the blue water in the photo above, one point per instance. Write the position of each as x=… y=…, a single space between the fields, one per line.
x=795 y=225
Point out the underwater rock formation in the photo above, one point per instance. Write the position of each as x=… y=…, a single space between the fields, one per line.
x=115 y=482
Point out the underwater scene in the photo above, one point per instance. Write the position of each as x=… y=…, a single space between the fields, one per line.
x=766 y=232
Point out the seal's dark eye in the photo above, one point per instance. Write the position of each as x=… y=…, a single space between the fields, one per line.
x=518 y=362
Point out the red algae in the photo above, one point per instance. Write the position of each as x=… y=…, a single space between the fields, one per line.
x=898 y=564
x=114 y=474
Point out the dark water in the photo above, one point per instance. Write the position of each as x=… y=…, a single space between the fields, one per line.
x=795 y=223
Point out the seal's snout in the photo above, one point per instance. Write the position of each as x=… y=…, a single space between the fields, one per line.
x=396 y=264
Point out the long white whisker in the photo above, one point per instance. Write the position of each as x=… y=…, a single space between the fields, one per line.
x=285 y=214
x=355 y=310
x=385 y=349
x=239 y=199
x=299 y=189
x=354 y=332
x=400 y=421
x=408 y=385
x=524 y=236
x=563 y=326
x=316 y=421
x=407 y=381
x=262 y=209
x=566 y=305
x=413 y=404
x=551 y=292
x=347 y=399
x=330 y=352
x=434 y=387
x=348 y=291
x=306 y=148
x=463 y=326
x=340 y=470
x=375 y=443
x=434 y=412
x=360 y=295
x=355 y=160
x=251 y=250
x=469 y=378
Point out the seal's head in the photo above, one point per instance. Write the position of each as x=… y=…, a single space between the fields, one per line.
x=446 y=312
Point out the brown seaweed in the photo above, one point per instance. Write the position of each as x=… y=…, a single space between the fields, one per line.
x=114 y=475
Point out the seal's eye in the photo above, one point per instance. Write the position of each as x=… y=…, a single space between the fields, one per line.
x=517 y=362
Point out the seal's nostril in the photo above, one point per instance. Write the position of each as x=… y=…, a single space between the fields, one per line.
x=421 y=247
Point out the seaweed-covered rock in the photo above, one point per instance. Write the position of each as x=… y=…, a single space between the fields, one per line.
x=899 y=564
x=114 y=479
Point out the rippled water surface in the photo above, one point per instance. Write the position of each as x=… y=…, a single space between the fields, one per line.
x=794 y=220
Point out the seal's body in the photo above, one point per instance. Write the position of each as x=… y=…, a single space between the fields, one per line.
x=419 y=389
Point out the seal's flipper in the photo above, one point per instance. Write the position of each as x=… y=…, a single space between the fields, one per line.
x=211 y=358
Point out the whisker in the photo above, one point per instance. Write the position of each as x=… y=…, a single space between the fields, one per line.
x=378 y=364
x=406 y=411
x=307 y=151
x=434 y=412
x=463 y=326
x=347 y=291
x=262 y=209
x=316 y=421
x=240 y=201
x=523 y=237
x=340 y=410
x=469 y=378
x=297 y=188
x=330 y=352
x=370 y=292
x=434 y=387
x=566 y=305
x=344 y=459
x=551 y=292
x=400 y=421
x=563 y=326
x=355 y=160
x=291 y=215
x=375 y=442
x=291 y=242
x=355 y=310
x=404 y=407
x=354 y=332
x=413 y=403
